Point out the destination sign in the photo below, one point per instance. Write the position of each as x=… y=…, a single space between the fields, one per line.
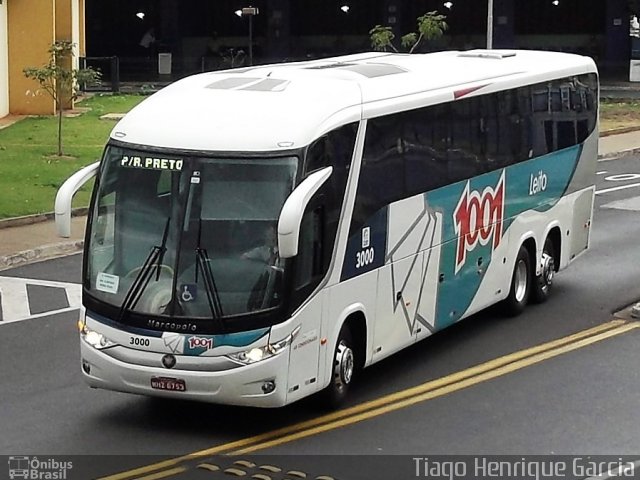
x=151 y=163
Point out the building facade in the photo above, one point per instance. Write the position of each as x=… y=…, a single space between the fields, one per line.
x=4 y=62
x=25 y=39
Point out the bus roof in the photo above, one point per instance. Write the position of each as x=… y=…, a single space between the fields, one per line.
x=288 y=105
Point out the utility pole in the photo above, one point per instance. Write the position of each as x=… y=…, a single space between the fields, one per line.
x=250 y=12
x=489 y=24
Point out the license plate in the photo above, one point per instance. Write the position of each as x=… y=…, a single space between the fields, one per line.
x=168 y=383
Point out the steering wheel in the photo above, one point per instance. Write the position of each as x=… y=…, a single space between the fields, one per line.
x=165 y=270
x=262 y=254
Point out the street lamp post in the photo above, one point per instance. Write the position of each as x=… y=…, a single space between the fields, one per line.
x=250 y=12
x=489 y=24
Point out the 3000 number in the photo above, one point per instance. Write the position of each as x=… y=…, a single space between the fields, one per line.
x=364 y=257
x=141 y=342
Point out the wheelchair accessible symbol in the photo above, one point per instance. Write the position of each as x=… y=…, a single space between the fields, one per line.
x=188 y=292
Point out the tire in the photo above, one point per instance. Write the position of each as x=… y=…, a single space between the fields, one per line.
x=521 y=281
x=343 y=370
x=541 y=288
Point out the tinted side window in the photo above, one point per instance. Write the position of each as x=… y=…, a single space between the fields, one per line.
x=564 y=112
x=467 y=150
x=333 y=149
x=381 y=178
x=321 y=218
x=426 y=142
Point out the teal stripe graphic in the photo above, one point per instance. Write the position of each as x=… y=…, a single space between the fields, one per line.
x=536 y=184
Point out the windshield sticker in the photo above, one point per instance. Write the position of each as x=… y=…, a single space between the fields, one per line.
x=107 y=283
x=151 y=163
x=189 y=292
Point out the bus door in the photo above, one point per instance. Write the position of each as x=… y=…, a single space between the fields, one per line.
x=308 y=271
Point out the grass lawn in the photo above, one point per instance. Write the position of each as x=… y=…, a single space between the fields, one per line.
x=31 y=173
x=616 y=114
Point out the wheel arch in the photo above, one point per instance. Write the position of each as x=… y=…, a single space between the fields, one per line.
x=357 y=323
x=555 y=235
x=528 y=241
x=355 y=317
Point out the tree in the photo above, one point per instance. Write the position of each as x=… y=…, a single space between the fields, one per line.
x=60 y=80
x=431 y=25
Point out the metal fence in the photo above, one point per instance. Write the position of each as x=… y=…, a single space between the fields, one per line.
x=109 y=68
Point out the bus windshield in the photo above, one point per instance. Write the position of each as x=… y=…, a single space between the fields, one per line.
x=187 y=236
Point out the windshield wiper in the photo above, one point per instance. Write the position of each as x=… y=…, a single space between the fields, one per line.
x=203 y=263
x=139 y=285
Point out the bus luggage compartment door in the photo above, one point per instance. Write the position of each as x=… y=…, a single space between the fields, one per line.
x=581 y=227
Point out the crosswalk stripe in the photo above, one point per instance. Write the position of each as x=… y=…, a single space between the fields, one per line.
x=15 y=300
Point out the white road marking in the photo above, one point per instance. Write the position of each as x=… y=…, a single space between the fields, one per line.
x=15 y=300
x=623 y=177
x=40 y=315
x=631 y=204
x=601 y=173
x=621 y=187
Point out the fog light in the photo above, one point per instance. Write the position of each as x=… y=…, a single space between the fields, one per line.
x=86 y=367
x=268 y=386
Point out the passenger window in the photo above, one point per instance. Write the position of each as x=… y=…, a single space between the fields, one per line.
x=382 y=171
x=566 y=134
x=425 y=151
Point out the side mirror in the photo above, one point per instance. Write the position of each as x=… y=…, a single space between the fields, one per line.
x=65 y=195
x=293 y=209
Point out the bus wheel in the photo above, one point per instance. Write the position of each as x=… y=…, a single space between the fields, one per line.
x=520 y=284
x=343 y=370
x=543 y=282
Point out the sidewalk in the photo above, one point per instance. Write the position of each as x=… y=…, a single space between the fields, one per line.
x=611 y=146
x=31 y=239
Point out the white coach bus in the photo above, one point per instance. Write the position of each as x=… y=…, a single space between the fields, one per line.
x=259 y=235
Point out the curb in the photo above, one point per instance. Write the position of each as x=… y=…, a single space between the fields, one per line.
x=630 y=313
x=619 y=154
x=38 y=218
x=619 y=131
x=37 y=254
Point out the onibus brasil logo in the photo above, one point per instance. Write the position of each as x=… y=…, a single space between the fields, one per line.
x=478 y=219
x=33 y=468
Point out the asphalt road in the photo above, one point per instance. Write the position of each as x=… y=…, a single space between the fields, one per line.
x=579 y=401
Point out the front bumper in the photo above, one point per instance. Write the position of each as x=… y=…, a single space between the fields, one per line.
x=238 y=386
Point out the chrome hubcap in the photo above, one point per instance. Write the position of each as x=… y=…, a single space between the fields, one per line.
x=548 y=271
x=520 y=281
x=344 y=366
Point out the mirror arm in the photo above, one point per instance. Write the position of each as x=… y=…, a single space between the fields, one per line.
x=65 y=195
x=293 y=210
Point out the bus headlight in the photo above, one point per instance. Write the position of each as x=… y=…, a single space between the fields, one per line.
x=262 y=353
x=95 y=339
